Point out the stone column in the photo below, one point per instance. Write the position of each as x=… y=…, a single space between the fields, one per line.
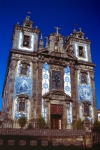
x=93 y=94
x=73 y=73
x=11 y=76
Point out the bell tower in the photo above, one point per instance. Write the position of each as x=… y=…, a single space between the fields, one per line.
x=25 y=38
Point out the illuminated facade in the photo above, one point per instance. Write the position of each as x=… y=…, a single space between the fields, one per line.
x=56 y=82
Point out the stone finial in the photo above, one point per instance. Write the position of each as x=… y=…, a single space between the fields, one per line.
x=27 y=17
x=57 y=29
x=80 y=29
x=17 y=23
x=74 y=30
x=41 y=42
x=36 y=27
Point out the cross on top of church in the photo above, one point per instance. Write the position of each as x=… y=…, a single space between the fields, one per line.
x=57 y=29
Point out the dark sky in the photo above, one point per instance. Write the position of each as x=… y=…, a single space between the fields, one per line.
x=46 y=14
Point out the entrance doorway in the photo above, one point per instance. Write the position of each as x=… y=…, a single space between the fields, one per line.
x=56 y=121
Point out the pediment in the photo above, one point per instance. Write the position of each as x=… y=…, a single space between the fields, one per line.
x=57 y=95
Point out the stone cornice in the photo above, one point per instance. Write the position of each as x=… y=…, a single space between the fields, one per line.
x=75 y=39
x=32 y=30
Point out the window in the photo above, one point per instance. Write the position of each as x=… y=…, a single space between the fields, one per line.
x=84 y=78
x=22 y=102
x=56 y=79
x=21 y=106
x=81 y=53
x=24 y=70
x=27 y=24
x=26 y=41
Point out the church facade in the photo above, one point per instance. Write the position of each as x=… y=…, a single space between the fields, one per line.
x=55 y=81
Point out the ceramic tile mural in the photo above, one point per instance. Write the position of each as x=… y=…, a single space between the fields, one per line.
x=84 y=90
x=44 y=110
x=45 y=86
x=18 y=71
x=18 y=113
x=22 y=85
x=67 y=82
x=45 y=78
x=69 y=113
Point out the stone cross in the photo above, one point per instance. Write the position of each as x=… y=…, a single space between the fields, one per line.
x=57 y=29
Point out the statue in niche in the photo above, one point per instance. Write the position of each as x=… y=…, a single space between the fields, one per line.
x=56 y=44
x=56 y=47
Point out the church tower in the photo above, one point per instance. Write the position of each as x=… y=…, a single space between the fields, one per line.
x=55 y=81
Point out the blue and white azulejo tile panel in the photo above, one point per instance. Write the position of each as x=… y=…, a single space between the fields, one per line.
x=18 y=113
x=67 y=81
x=44 y=110
x=45 y=78
x=69 y=113
x=23 y=86
x=84 y=93
x=19 y=68
x=84 y=90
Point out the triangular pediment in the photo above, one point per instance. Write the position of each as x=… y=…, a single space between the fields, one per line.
x=58 y=95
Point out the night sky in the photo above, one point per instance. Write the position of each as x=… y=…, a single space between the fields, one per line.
x=46 y=14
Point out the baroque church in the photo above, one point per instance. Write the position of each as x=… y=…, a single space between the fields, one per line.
x=55 y=81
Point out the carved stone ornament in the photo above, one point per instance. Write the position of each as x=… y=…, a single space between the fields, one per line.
x=22 y=142
x=44 y=143
x=33 y=142
x=11 y=142
x=1 y=142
